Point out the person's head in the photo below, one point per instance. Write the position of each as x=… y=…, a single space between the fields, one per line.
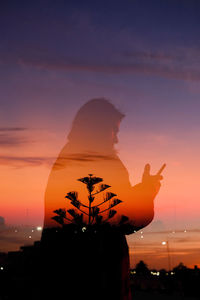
x=95 y=125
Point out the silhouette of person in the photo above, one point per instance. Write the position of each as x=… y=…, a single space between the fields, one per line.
x=90 y=150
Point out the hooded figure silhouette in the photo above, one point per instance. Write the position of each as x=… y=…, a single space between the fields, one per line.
x=90 y=150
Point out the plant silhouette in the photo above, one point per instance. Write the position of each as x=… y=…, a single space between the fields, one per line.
x=93 y=212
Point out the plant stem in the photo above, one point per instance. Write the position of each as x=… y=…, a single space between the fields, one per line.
x=83 y=211
x=89 y=208
x=104 y=210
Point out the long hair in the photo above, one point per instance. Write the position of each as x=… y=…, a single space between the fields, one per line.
x=93 y=125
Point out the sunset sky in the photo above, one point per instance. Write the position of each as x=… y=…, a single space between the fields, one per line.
x=143 y=56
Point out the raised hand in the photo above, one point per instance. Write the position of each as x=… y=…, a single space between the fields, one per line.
x=152 y=181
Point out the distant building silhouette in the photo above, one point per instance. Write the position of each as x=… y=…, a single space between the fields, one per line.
x=2 y=222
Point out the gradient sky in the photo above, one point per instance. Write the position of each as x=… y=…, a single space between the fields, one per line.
x=142 y=55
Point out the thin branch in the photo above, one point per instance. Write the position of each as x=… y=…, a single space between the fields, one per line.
x=92 y=219
x=68 y=219
x=83 y=205
x=105 y=220
x=101 y=203
x=83 y=211
x=97 y=192
x=104 y=210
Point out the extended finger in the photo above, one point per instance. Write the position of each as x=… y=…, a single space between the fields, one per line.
x=147 y=169
x=157 y=177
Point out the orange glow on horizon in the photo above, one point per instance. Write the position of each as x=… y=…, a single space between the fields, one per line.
x=24 y=181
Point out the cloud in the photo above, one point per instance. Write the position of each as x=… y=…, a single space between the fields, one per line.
x=172 y=232
x=159 y=252
x=9 y=136
x=149 y=55
x=5 y=129
x=183 y=66
x=182 y=63
x=20 y=162
x=175 y=62
x=80 y=157
x=9 y=140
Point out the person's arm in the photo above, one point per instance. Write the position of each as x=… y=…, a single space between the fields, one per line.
x=144 y=194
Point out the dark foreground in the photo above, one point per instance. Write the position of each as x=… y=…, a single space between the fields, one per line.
x=51 y=269
x=138 y=295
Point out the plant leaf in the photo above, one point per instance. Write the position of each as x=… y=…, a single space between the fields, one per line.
x=73 y=213
x=95 y=210
x=95 y=180
x=111 y=214
x=61 y=212
x=84 y=180
x=79 y=219
x=90 y=181
x=109 y=195
x=98 y=219
x=72 y=196
x=76 y=203
x=115 y=202
x=123 y=220
x=103 y=187
x=58 y=219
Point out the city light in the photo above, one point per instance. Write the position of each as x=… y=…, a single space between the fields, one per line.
x=1 y=268
x=155 y=273
x=39 y=228
x=84 y=229
x=168 y=253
